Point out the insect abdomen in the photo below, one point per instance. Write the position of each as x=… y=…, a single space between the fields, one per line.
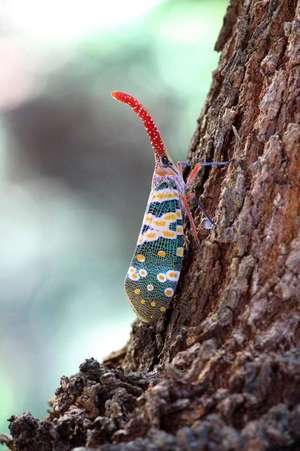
x=154 y=270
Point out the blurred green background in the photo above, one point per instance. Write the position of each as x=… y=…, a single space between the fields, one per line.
x=76 y=169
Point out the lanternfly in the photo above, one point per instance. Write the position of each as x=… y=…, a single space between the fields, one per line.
x=155 y=267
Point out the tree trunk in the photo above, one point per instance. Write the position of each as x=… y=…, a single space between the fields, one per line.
x=221 y=371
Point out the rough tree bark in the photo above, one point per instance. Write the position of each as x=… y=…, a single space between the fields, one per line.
x=222 y=370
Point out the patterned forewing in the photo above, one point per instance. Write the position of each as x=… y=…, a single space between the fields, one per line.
x=156 y=264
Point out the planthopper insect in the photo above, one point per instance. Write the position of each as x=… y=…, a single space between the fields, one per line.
x=155 y=267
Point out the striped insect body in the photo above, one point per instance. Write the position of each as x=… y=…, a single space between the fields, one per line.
x=154 y=270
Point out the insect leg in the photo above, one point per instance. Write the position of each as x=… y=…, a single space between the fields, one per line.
x=197 y=168
x=187 y=210
x=207 y=222
x=193 y=174
x=236 y=134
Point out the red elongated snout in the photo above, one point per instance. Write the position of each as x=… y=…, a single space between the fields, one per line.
x=149 y=124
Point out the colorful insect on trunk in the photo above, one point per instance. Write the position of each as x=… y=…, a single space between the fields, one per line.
x=155 y=267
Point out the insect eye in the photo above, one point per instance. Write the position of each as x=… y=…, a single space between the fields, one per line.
x=165 y=161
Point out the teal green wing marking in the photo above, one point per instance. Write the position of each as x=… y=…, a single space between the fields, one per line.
x=156 y=264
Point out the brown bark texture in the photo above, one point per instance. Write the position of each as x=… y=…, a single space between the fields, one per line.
x=221 y=371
